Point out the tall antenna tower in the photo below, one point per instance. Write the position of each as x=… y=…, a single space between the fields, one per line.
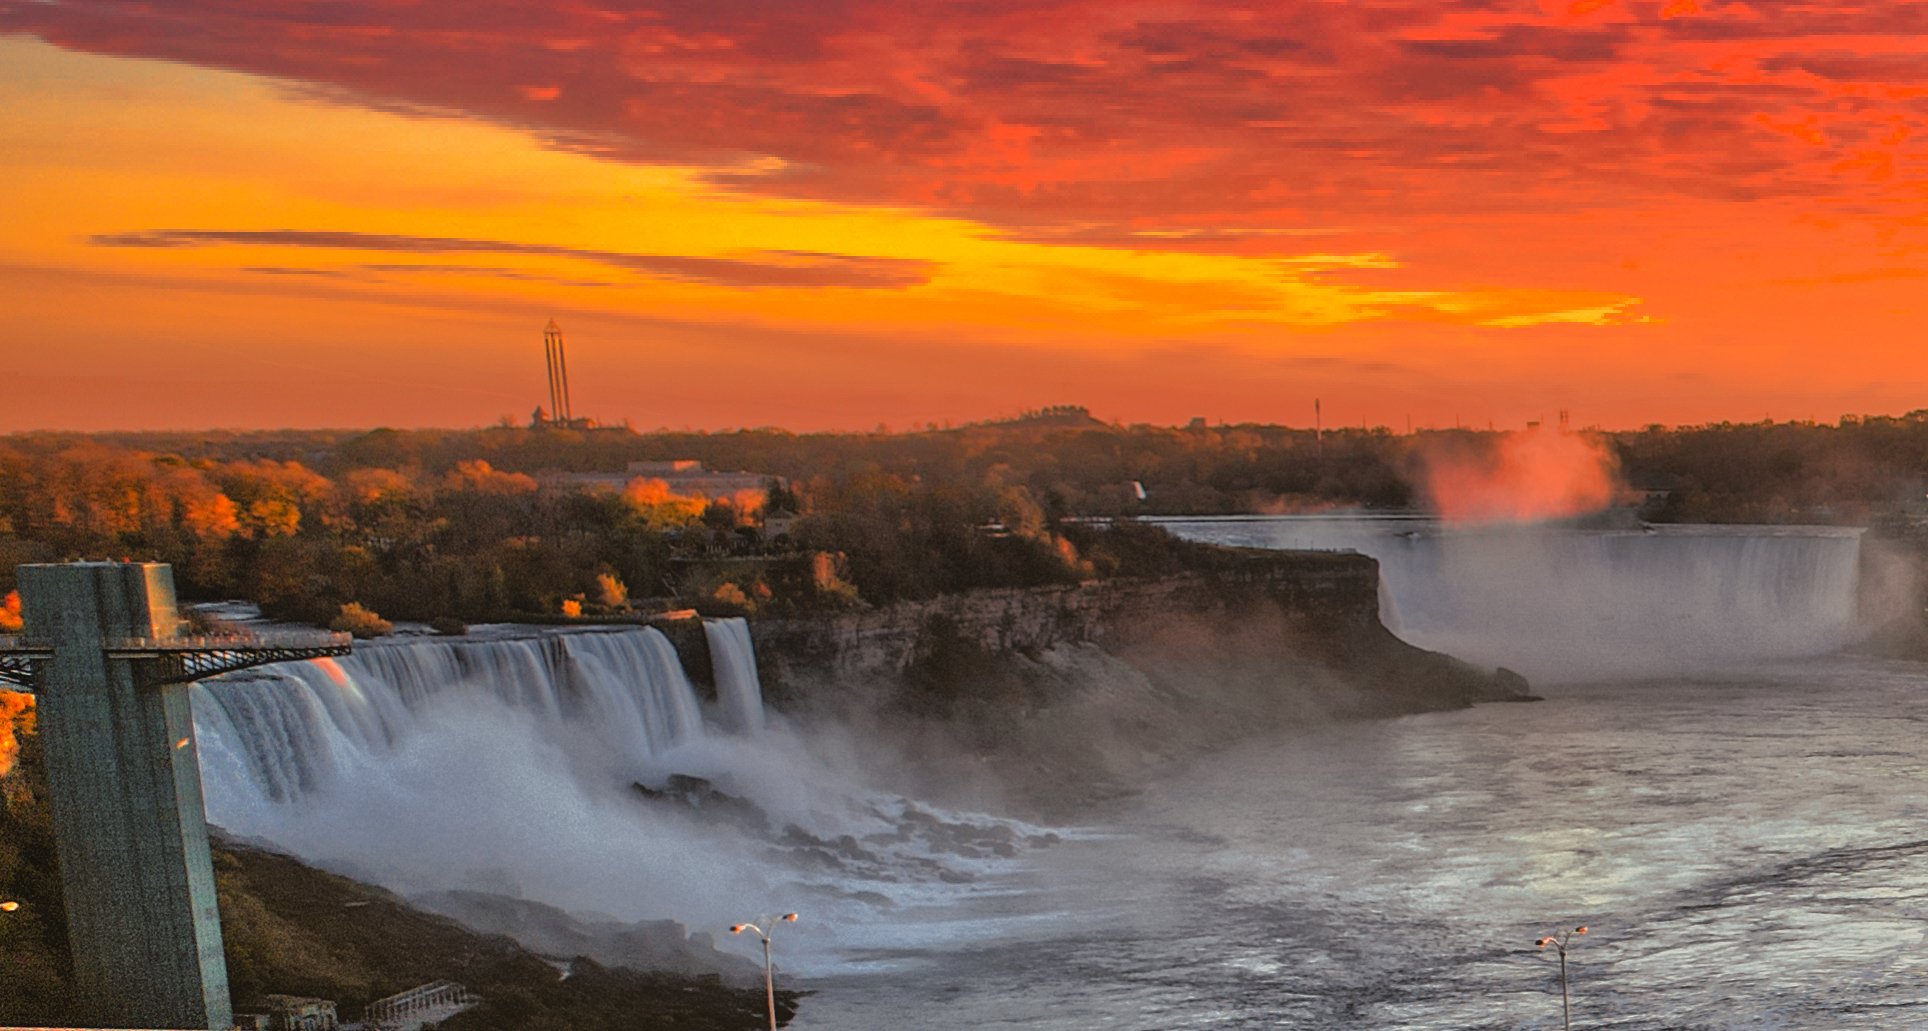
x=559 y=412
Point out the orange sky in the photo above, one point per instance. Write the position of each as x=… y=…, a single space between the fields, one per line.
x=852 y=212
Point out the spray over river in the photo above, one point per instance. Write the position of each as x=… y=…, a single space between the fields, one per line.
x=1733 y=808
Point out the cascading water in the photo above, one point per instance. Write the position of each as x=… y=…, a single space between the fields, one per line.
x=733 y=658
x=574 y=769
x=1560 y=603
x=282 y=732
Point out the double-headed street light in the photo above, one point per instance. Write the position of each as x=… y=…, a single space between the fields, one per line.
x=769 y=986
x=1559 y=941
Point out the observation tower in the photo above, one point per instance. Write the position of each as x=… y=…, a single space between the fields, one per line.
x=105 y=653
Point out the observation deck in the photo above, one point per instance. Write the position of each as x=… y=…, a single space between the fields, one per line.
x=178 y=658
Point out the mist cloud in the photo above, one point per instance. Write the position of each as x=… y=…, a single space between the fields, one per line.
x=1517 y=477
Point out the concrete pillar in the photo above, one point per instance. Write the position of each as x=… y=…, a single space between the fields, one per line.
x=124 y=784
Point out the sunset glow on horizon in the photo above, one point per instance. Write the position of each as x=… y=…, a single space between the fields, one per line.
x=836 y=215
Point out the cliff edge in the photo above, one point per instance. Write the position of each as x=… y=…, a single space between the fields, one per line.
x=1072 y=692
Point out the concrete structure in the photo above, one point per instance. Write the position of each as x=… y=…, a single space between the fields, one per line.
x=296 y=1013
x=104 y=652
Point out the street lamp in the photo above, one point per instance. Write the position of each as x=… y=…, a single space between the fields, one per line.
x=9 y=906
x=769 y=987
x=1559 y=942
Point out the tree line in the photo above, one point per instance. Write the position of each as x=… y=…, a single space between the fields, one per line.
x=476 y=525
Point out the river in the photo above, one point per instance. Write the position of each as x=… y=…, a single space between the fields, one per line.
x=1737 y=822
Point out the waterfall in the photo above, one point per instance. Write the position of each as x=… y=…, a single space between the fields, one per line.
x=733 y=658
x=286 y=730
x=1562 y=603
x=1580 y=605
x=509 y=762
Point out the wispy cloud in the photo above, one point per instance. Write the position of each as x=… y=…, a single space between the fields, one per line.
x=757 y=269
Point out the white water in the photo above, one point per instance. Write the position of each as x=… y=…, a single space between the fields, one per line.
x=504 y=762
x=300 y=727
x=1561 y=604
x=733 y=659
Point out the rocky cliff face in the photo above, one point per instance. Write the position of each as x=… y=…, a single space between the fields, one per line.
x=1317 y=607
x=1083 y=687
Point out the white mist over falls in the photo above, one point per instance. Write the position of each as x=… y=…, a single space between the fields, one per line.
x=1731 y=805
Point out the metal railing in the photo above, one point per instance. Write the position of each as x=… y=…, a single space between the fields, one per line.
x=179 y=658
x=247 y=640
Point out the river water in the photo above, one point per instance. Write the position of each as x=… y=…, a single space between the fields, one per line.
x=1743 y=835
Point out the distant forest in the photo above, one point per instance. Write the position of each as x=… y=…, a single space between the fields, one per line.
x=352 y=527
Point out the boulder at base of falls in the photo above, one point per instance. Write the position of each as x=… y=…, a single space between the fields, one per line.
x=700 y=795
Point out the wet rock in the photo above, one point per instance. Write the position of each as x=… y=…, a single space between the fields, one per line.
x=700 y=795
x=1511 y=687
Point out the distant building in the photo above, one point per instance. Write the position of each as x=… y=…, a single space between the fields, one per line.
x=688 y=473
x=683 y=476
x=779 y=525
x=1647 y=497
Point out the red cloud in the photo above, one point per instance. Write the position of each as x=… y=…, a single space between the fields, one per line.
x=1083 y=118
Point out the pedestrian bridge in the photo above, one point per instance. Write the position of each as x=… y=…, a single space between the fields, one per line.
x=418 y=1007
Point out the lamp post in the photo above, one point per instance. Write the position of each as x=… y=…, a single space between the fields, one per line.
x=769 y=986
x=1559 y=942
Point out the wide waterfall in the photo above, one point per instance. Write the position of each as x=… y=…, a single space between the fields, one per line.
x=503 y=762
x=578 y=769
x=291 y=728
x=1561 y=603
